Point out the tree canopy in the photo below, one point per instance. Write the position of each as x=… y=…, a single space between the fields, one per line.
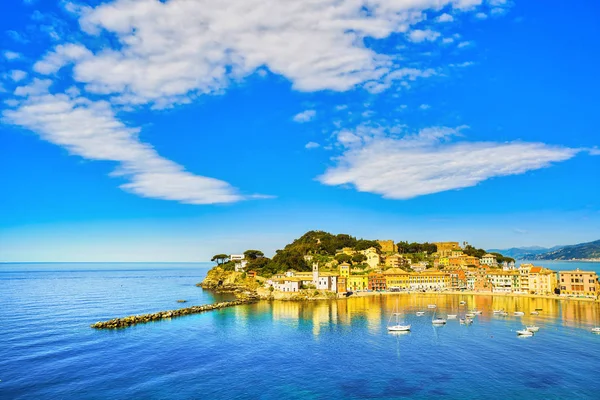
x=220 y=258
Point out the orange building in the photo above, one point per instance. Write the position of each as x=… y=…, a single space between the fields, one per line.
x=377 y=281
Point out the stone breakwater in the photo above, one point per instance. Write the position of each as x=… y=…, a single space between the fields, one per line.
x=142 y=319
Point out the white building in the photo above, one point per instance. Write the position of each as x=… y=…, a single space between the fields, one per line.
x=373 y=258
x=324 y=281
x=240 y=261
x=287 y=284
x=489 y=260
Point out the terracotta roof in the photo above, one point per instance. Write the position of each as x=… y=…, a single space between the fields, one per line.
x=535 y=270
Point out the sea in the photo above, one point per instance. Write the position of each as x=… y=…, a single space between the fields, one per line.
x=337 y=349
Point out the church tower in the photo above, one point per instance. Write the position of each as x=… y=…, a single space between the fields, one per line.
x=316 y=274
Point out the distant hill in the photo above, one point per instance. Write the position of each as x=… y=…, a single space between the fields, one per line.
x=575 y=252
x=524 y=253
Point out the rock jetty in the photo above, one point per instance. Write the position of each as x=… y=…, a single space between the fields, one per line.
x=142 y=319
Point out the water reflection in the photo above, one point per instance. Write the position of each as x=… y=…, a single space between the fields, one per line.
x=372 y=312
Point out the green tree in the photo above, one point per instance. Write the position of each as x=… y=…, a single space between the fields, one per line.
x=220 y=258
x=363 y=244
x=253 y=254
x=358 y=258
x=343 y=258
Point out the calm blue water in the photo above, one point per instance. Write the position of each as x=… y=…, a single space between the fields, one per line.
x=318 y=350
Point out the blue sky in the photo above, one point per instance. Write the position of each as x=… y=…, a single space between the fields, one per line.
x=171 y=131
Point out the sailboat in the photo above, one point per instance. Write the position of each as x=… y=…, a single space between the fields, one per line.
x=438 y=321
x=397 y=327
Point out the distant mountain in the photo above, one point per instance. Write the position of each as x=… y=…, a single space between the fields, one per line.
x=525 y=253
x=575 y=252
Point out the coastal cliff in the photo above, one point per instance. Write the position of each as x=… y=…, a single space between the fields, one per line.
x=219 y=280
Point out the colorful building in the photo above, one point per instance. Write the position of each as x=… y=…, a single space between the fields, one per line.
x=376 y=281
x=489 y=260
x=358 y=282
x=373 y=258
x=579 y=283
x=344 y=269
x=396 y=278
x=444 y=249
x=388 y=246
x=542 y=280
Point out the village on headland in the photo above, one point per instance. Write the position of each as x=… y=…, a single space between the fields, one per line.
x=322 y=265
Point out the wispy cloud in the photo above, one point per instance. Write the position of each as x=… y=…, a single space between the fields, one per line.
x=424 y=106
x=161 y=54
x=91 y=130
x=11 y=55
x=304 y=116
x=420 y=35
x=312 y=145
x=445 y=18
x=402 y=167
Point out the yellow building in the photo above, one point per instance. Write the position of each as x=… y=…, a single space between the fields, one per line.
x=344 y=270
x=396 y=278
x=388 y=246
x=456 y=253
x=444 y=249
x=444 y=261
x=396 y=261
x=542 y=280
x=582 y=283
x=348 y=251
x=430 y=280
x=358 y=282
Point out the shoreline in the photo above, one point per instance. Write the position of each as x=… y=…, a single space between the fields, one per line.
x=473 y=293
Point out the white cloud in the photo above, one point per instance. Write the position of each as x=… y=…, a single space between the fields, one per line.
x=169 y=50
x=11 y=55
x=91 y=130
x=17 y=75
x=424 y=106
x=414 y=165
x=420 y=35
x=445 y=18
x=305 y=116
x=447 y=40
x=464 y=44
x=163 y=53
x=312 y=145
x=481 y=15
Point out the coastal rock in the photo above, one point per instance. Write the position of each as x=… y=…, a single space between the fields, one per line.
x=140 y=319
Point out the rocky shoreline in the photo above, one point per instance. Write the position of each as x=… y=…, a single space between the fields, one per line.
x=145 y=318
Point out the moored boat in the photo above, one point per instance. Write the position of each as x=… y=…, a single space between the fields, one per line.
x=420 y=313
x=397 y=327
x=524 y=332
x=596 y=330
x=431 y=306
x=451 y=316
x=518 y=313
x=533 y=328
x=469 y=315
x=438 y=321
x=534 y=313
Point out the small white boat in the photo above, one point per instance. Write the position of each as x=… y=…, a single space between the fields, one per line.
x=498 y=311
x=462 y=303
x=503 y=314
x=524 y=332
x=397 y=327
x=533 y=328
x=476 y=312
x=469 y=315
x=518 y=313
x=438 y=321
x=466 y=321
x=431 y=306
x=596 y=330
x=420 y=313
x=451 y=316
x=534 y=313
